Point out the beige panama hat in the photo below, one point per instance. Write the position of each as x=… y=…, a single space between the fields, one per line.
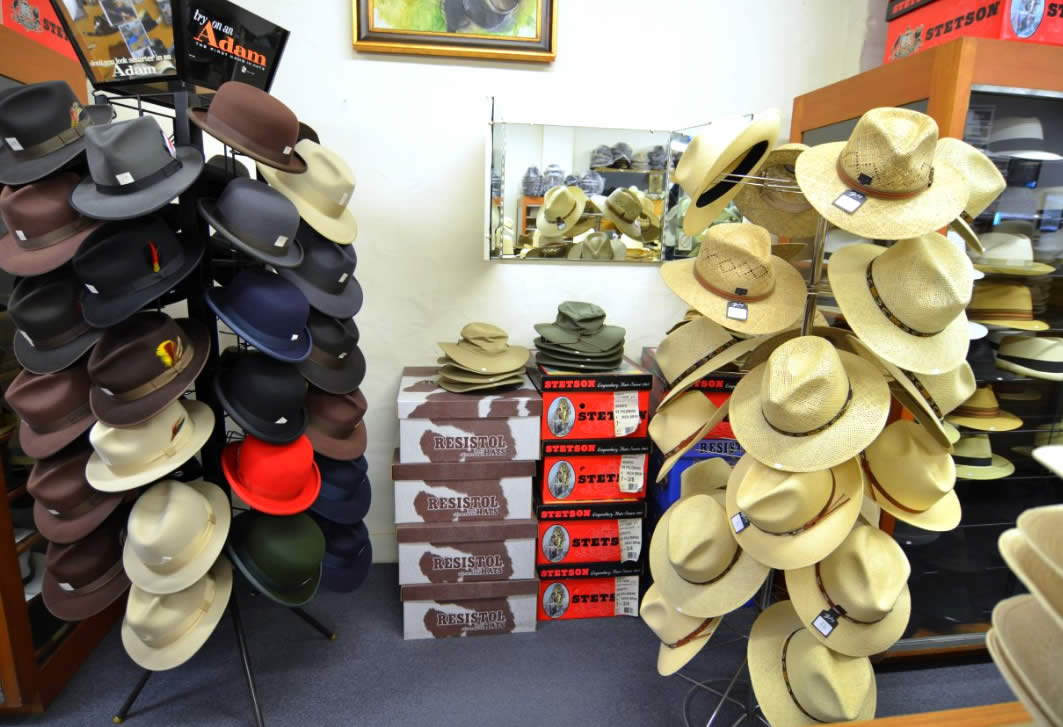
x=798 y=681
x=485 y=349
x=911 y=476
x=1016 y=681
x=1038 y=356
x=164 y=631
x=598 y=246
x=321 y=193
x=975 y=459
x=737 y=282
x=982 y=412
x=856 y=600
x=775 y=202
x=676 y=428
x=694 y=350
x=984 y=184
x=1001 y=305
x=561 y=209
x=175 y=533
x=1038 y=575
x=1043 y=529
x=1031 y=644
x=682 y=636
x=1006 y=253
x=887 y=182
x=793 y=519
x=715 y=163
x=930 y=397
x=623 y=209
x=809 y=407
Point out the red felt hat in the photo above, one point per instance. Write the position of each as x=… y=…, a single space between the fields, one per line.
x=278 y=479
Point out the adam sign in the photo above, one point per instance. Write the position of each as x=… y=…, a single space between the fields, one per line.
x=219 y=37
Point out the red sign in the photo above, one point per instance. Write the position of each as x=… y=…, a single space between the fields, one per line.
x=36 y=20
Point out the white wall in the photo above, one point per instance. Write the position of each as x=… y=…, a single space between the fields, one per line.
x=413 y=128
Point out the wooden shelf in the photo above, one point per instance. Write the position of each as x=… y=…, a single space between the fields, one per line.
x=992 y=715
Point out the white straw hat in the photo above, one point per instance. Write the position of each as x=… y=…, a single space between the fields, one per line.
x=1031 y=644
x=1006 y=253
x=696 y=349
x=1043 y=529
x=682 y=636
x=1021 y=137
x=1038 y=356
x=561 y=209
x=678 y=427
x=984 y=183
x=1037 y=574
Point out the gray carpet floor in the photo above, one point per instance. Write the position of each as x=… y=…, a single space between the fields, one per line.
x=594 y=672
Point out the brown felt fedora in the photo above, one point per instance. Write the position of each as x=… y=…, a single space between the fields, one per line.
x=85 y=577
x=43 y=230
x=66 y=508
x=336 y=428
x=53 y=408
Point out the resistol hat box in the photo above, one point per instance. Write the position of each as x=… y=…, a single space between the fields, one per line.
x=466 y=552
x=608 y=532
x=593 y=405
x=593 y=590
x=593 y=470
x=445 y=610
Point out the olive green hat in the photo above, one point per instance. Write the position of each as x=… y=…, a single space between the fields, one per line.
x=581 y=327
x=280 y=556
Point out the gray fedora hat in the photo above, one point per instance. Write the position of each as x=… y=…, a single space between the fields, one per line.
x=326 y=274
x=257 y=220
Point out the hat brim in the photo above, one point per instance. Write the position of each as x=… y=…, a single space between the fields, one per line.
x=787 y=552
x=351 y=447
x=634 y=229
x=289 y=258
x=267 y=431
x=1000 y=468
x=90 y=202
x=672 y=659
x=150 y=581
x=68 y=530
x=970 y=237
x=558 y=349
x=199 y=117
x=1002 y=422
x=546 y=359
x=1016 y=325
x=1015 y=368
x=300 y=351
x=1015 y=680
x=270 y=506
x=17 y=261
x=685 y=424
x=1031 y=649
x=461 y=387
x=753 y=205
x=341 y=305
x=1030 y=269
x=74 y=606
x=32 y=588
x=103 y=478
x=856 y=428
x=464 y=376
x=349 y=511
x=736 y=351
x=1041 y=526
x=1038 y=576
x=342 y=230
x=116 y=413
x=348 y=578
x=39 y=446
x=943 y=516
x=764 y=653
x=16 y=172
x=299 y=597
x=51 y=360
x=780 y=310
x=605 y=340
x=880 y=219
x=514 y=357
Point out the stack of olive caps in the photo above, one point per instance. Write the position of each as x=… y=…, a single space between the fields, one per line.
x=482 y=359
x=579 y=339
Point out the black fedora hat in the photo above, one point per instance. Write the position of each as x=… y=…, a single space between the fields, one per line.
x=43 y=127
x=280 y=555
x=52 y=332
x=326 y=275
x=257 y=220
x=345 y=493
x=348 y=555
x=219 y=170
x=263 y=395
x=267 y=311
x=134 y=170
x=126 y=265
x=336 y=364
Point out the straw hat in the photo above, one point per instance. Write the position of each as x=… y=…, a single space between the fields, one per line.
x=863 y=586
x=1042 y=528
x=561 y=209
x=485 y=348
x=975 y=459
x=1038 y=575
x=1038 y=356
x=890 y=162
x=737 y=282
x=1021 y=137
x=930 y=397
x=694 y=350
x=982 y=412
x=792 y=519
x=1031 y=645
x=623 y=209
x=681 y=636
x=984 y=183
x=809 y=407
x=780 y=208
x=906 y=302
x=912 y=477
x=676 y=428
x=798 y=681
x=1004 y=306
x=733 y=146
x=598 y=246
x=1015 y=680
x=1006 y=253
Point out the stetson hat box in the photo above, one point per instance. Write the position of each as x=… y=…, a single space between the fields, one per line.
x=593 y=405
x=443 y=610
x=466 y=552
x=609 y=532
x=462 y=491
x=716 y=385
x=592 y=590
x=436 y=425
x=594 y=470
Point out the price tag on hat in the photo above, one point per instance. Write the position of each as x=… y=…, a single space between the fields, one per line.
x=739 y=522
x=625 y=412
x=850 y=201
x=737 y=311
x=630 y=531
x=13 y=143
x=632 y=472
x=626 y=589
x=825 y=622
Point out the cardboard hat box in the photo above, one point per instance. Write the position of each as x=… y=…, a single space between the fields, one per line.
x=436 y=425
x=465 y=552
x=598 y=590
x=590 y=533
x=592 y=405
x=594 y=470
x=445 y=610
x=717 y=386
x=462 y=491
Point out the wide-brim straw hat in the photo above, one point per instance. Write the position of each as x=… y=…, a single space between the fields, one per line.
x=925 y=395
x=774 y=202
x=666 y=622
x=1009 y=253
x=1040 y=357
x=1043 y=529
x=971 y=465
x=981 y=412
x=1043 y=581
x=697 y=349
x=678 y=427
x=1032 y=646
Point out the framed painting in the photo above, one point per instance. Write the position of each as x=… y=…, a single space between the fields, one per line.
x=516 y=30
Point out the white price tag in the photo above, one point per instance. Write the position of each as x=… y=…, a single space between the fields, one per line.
x=13 y=143
x=20 y=235
x=295 y=336
x=343 y=278
x=850 y=201
x=282 y=420
x=625 y=412
x=686 y=243
x=737 y=311
x=66 y=586
x=344 y=197
x=211 y=230
x=124 y=178
x=825 y=622
x=627 y=596
x=53 y=512
x=739 y=522
x=281 y=241
x=342 y=355
x=92 y=288
x=632 y=472
x=630 y=539
x=287 y=151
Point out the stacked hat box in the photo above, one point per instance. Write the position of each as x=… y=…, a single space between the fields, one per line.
x=596 y=470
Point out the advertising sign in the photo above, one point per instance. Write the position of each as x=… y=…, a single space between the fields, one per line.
x=220 y=41
x=36 y=20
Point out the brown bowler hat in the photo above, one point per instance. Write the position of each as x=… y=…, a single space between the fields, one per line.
x=53 y=408
x=66 y=508
x=254 y=123
x=43 y=230
x=143 y=365
x=85 y=577
x=336 y=428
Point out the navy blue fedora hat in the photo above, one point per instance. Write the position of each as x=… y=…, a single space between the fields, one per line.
x=336 y=364
x=345 y=490
x=267 y=311
x=326 y=274
x=348 y=555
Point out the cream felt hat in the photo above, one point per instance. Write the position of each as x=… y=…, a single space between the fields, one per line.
x=174 y=534
x=776 y=203
x=715 y=163
x=561 y=209
x=623 y=209
x=737 y=282
x=930 y=397
x=164 y=631
x=809 y=407
x=676 y=428
x=911 y=476
x=1038 y=356
x=891 y=163
x=1044 y=582
x=1043 y=529
x=598 y=246
x=792 y=519
x=984 y=183
x=1004 y=305
x=1031 y=644
x=694 y=350
x=863 y=585
x=975 y=459
x=906 y=302
x=1005 y=253
x=1015 y=680
x=798 y=681
x=681 y=636
x=982 y=412
x=485 y=348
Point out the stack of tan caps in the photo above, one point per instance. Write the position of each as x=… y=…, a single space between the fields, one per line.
x=579 y=339
x=482 y=359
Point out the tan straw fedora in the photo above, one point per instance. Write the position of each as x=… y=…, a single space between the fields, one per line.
x=676 y=428
x=982 y=412
x=694 y=350
x=1043 y=529
x=886 y=182
x=1038 y=356
x=737 y=282
x=774 y=201
x=1044 y=582
x=485 y=348
x=912 y=477
x=561 y=209
x=930 y=397
x=715 y=163
x=1006 y=253
x=809 y=407
x=984 y=184
x=682 y=636
x=976 y=460
x=1000 y=305
x=798 y=681
x=1031 y=644
x=623 y=209
x=906 y=302
x=856 y=600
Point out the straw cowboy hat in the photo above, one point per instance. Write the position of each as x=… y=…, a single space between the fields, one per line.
x=792 y=519
x=678 y=427
x=598 y=246
x=1006 y=253
x=887 y=182
x=984 y=184
x=798 y=681
x=809 y=407
x=931 y=397
x=906 y=302
x=561 y=209
x=682 y=636
x=737 y=282
x=982 y=412
x=715 y=163
x=912 y=477
x=694 y=350
x=623 y=209
x=975 y=459
x=1031 y=643
x=1037 y=574
x=485 y=348
x=775 y=202
x=1038 y=356
x=1041 y=527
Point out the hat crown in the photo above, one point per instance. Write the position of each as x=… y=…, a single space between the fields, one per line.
x=983 y=398
x=975 y=446
x=866 y=574
x=597 y=246
x=625 y=205
x=40 y=400
x=735 y=259
x=267 y=303
x=258 y=215
x=575 y=315
x=700 y=172
x=121 y=255
x=779 y=502
x=126 y=151
x=268 y=389
x=138 y=350
x=484 y=337
x=46 y=306
x=891 y=150
x=36 y=209
x=275 y=471
x=984 y=180
x=1008 y=246
x=334 y=336
x=344 y=542
x=1040 y=348
x=829 y=686
x=37 y=112
x=1001 y=297
x=670 y=625
x=913 y=468
x=167 y=520
x=324 y=264
x=337 y=410
x=256 y=116
x=328 y=183
x=924 y=281
x=59 y=483
x=689 y=344
x=950 y=389
x=158 y=620
x=560 y=202
x=131 y=447
x=78 y=564
x=289 y=550
x=805 y=386
x=700 y=546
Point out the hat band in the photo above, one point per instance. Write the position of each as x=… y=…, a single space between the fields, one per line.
x=82 y=508
x=1050 y=367
x=873 y=289
x=56 y=425
x=734 y=296
x=620 y=213
x=734 y=559
x=973 y=461
x=263 y=579
x=185 y=428
x=695 y=634
x=878 y=193
x=786 y=678
x=924 y=393
x=703 y=360
x=876 y=487
x=823 y=427
x=976 y=412
x=684 y=444
x=66 y=137
x=137 y=185
x=326 y=359
x=840 y=610
x=55 y=236
x=827 y=510
x=172 y=564
x=558 y=221
x=100 y=581
x=182 y=362
x=69 y=335
x=999 y=314
x=188 y=624
x=336 y=431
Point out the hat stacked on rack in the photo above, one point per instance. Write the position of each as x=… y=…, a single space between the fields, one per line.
x=579 y=339
x=482 y=359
